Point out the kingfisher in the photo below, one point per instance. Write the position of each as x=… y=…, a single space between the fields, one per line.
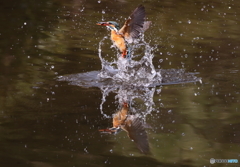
x=132 y=29
x=132 y=125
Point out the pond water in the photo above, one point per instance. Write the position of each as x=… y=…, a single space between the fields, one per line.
x=53 y=105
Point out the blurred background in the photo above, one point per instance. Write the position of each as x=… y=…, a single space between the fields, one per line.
x=48 y=123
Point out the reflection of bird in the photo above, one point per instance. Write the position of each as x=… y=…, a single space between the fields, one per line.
x=132 y=28
x=132 y=125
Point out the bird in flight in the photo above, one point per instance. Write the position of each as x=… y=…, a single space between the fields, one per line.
x=133 y=27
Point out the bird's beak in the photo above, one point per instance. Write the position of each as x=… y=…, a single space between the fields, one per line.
x=105 y=131
x=102 y=23
x=112 y=130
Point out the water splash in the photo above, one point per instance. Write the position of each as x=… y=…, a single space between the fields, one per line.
x=130 y=71
x=130 y=79
x=133 y=80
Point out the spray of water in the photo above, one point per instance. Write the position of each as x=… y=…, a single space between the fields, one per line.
x=129 y=71
x=133 y=80
x=130 y=78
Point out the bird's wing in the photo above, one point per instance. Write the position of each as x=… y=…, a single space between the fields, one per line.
x=135 y=24
x=137 y=133
x=146 y=25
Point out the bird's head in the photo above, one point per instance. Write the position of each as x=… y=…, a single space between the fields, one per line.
x=112 y=25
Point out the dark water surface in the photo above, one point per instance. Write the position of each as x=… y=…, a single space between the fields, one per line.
x=49 y=123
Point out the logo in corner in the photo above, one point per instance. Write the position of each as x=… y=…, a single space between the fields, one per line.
x=212 y=161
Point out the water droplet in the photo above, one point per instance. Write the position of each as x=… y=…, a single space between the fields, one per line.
x=85 y=149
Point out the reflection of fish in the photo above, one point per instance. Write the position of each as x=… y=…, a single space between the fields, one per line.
x=132 y=125
x=132 y=28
